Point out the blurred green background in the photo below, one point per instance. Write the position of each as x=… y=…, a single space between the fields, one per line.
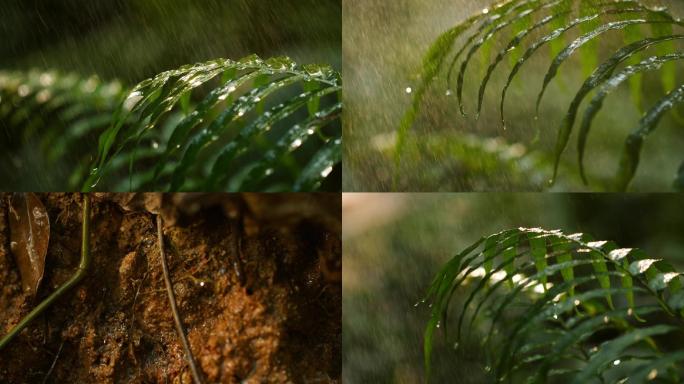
x=383 y=46
x=131 y=40
x=395 y=243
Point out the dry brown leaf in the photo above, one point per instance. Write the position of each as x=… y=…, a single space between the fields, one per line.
x=29 y=238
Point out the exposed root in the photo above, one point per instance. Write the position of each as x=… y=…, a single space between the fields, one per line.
x=172 y=301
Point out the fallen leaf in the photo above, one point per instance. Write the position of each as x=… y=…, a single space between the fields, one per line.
x=29 y=237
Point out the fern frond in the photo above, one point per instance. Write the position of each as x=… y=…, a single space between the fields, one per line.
x=562 y=305
x=273 y=107
x=46 y=117
x=554 y=20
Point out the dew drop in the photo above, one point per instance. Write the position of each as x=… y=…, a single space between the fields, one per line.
x=37 y=214
x=653 y=374
x=455 y=346
x=409 y=90
x=326 y=171
x=132 y=100
x=296 y=144
x=155 y=145
x=448 y=92
x=485 y=11
x=616 y=362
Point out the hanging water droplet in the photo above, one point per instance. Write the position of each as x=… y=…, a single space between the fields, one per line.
x=576 y=302
x=448 y=92
x=310 y=131
x=485 y=11
x=606 y=319
x=326 y=171
x=653 y=374
x=155 y=145
x=132 y=100
x=616 y=362
x=455 y=346
x=268 y=172
x=296 y=144
x=409 y=90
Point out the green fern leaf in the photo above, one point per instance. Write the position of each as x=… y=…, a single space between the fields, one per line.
x=601 y=74
x=521 y=18
x=632 y=151
x=257 y=107
x=540 y=336
x=45 y=117
x=610 y=85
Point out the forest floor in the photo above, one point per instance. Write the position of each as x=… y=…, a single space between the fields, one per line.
x=259 y=293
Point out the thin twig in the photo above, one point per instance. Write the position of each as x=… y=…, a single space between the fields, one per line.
x=75 y=279
x=54 y=362
x=172 y=300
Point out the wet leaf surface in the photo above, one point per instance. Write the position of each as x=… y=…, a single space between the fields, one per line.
x=29 y=238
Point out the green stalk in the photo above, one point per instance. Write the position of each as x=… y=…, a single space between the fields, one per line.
x=75 y=279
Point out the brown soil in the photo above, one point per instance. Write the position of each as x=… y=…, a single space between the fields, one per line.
x=259 y=294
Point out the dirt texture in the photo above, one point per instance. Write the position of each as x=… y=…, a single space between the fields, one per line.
x=257 y=279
